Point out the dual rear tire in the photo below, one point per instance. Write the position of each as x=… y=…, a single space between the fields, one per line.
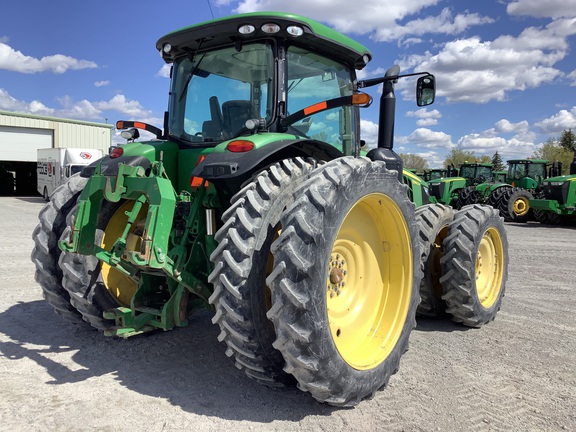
x=465 y=263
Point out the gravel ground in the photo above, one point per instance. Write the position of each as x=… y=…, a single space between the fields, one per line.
x=517 y=373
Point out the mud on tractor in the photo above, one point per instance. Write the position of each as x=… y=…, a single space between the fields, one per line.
x=256 y=201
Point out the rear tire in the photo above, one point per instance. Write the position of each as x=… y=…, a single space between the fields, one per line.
x=46 y=252
x=433 y=221
x=84 y=280
x=241 y=262
x=475 y=265
x=467 y=196
x=345 y=280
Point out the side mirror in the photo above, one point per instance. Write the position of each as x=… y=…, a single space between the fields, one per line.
x=425 y=90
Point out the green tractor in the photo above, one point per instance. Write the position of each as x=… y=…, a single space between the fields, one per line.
x=257 y=202
x=457 y=191
x=439 y=173
x=523 y=182
x=556 y=200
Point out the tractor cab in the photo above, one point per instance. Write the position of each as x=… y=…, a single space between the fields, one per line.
x=527 y=173
x=263 y=73
x=476 y=173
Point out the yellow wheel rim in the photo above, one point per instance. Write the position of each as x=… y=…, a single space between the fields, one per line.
x=369 y=283
x=489 y=267
x=521 y=206
x=120 y=286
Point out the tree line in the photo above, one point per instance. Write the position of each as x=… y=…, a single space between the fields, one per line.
x=555 y=149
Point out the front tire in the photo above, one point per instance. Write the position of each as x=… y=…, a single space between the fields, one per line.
x=345 y=280
x=475 y=265
x=514 y=205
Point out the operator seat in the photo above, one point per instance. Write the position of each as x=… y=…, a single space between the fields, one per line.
x=235 y=113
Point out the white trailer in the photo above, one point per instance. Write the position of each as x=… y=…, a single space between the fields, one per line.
x=56 y=165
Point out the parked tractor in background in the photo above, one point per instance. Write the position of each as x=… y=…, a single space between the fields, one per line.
x=438 y=173
x=522 y=183
x=456 y=191
x=255 y=201
x=556 y=201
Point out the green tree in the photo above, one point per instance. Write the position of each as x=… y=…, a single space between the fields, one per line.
x=457 y=157
x=552 y=150
x=497 y=162
x=568 y=140
x=412 y=161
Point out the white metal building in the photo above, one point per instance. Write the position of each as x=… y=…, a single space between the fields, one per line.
x=22 y=134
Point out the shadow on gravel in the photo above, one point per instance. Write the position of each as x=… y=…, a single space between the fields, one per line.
x=440 y=324
x=186 y=366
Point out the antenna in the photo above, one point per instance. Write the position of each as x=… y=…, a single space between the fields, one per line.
x=210 y=7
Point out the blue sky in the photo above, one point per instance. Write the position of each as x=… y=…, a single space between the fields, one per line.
x=506 y=70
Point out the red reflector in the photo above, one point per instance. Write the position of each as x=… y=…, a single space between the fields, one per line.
x=240 y=146
x=116 y=152
x=197 y=181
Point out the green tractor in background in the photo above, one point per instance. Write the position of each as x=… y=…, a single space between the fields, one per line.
x=556 y=200
x=457 y=191
x=523 y=181
x=439 y=173
x=257 y=202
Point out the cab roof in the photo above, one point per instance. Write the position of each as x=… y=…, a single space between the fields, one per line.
x=224 y=32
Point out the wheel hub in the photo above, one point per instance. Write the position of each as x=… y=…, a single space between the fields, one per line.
x=337 y=272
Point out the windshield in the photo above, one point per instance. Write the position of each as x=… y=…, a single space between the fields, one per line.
x=483 y=171
x=312 y=79
x=517 y=171
x=537 y=171
x=215 y=92
x=467 y=171
x=74 y=169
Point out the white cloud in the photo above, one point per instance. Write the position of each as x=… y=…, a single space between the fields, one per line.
x=505 y=126
x=427 y=139
x=120 y=104
x=101 y=83
x=444 y=23
x=425 y=117
x=381 y=19
x=481 y=144
x=369 y=133
x=345 y=15
x=572 y=76
x=84 y=109
x=79 y=110
x=472 y=70
x=542 y=9
x=560 y=121
x=9 y=103
x=164 y=72
x=15 y=61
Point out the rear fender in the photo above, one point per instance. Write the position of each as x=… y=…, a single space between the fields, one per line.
x=226 y=165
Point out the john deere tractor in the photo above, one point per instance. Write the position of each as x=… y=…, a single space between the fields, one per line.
x=456 y=190
x=523 y=182
x=256 y=201
x=556 y=201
